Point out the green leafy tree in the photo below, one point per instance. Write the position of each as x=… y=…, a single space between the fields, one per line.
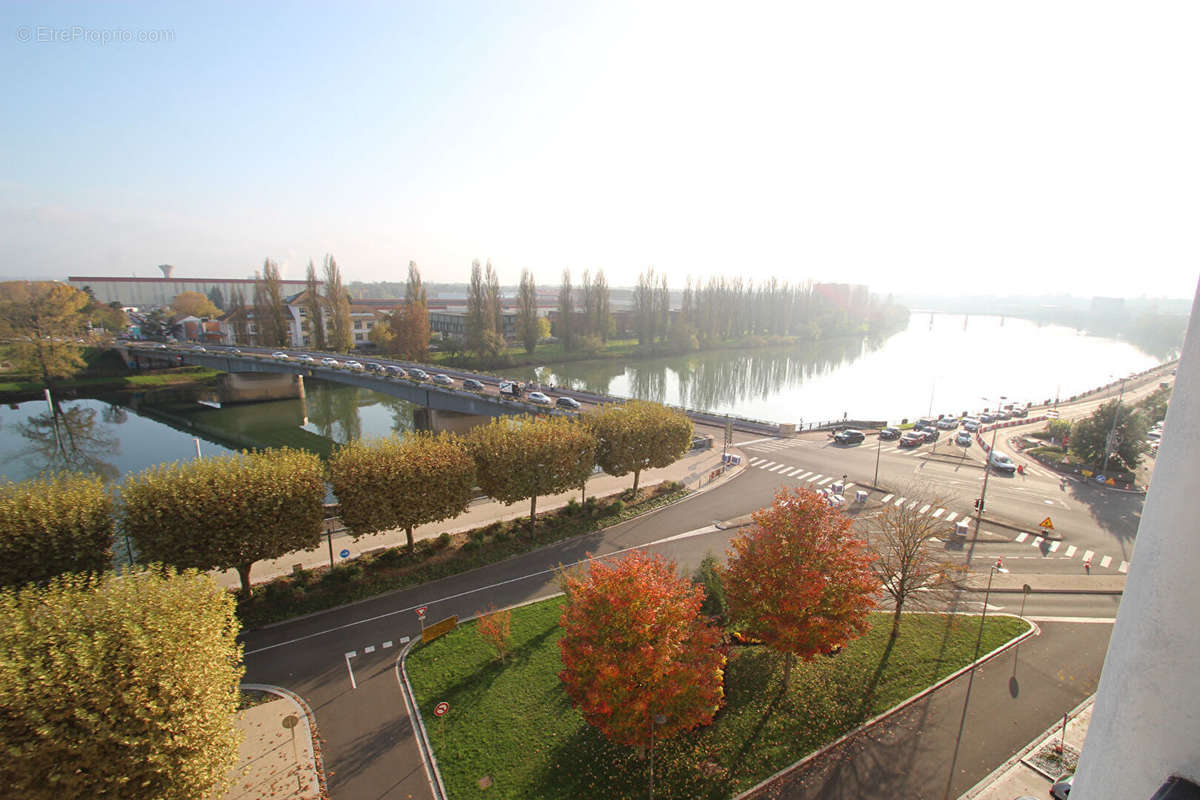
x=1090 y=437
x=341 y=335
x=216 y=298
x=111 y=317
x=476 y=321
x=493 y=315
x=118 y=687
x=639 y=435
x=799 y=580
x=601 y=299
x=49 y=526
x=42 y=320
x=521 y=458
x=226 y=513
x=401 y=483
x=410 y=324
x=566 y=312
x=1154 y=406
x=314 y=307
x=527 y=316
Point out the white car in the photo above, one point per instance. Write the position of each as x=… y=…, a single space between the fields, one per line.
x=540 y=399
x=279 y=354
x=1001 y=463
x=947 y=423
x=330 y=362
x=443 y=379
x=963 y=438
x=353 y=365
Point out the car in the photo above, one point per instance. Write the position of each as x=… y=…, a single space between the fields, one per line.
x=912 y=439
x=392 y=371
x=970 y=423
x=418 y=374
x=887 y=434
x=472 y=385
x=925 y=422
x=568 y=402
x=540 y=399
x=1061 y=789
x=307 y=359
x=199 y=348
x=1003 y=415
x=985 y=418
x=279 y=354
x=931 y=433
x=963 y=438
x=330 y=362
x=1153 y=436
x=374 y=367
x=849 y=436
x=510 y=388
x=442 y=379
x=1022 y=411
x=353 y=365
x=947 y=423
x=1001 y=463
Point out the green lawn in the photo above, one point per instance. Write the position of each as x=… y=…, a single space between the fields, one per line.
x=513 y=722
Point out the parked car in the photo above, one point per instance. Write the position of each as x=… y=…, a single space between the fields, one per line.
x=1001 y=463
x=510 y=388
x=963 y=438
x=1021 y=411
x=279 y=354
x=373 y=367
x=567 y=402
x=887 y=434
x=985 y=418
x=418 y=374
x=925 y=422
x=472 y=385
x=931 y=433
x=392 y=371
x=1003 y=415
x=1061 y=789
x=353 y=365
x=947 y=423
x=849 y=436
x=540 y=399
x=970 y=423
x=199 y=348
x=330 y=362
x=912 y=439
x=307 y=359
x=442 y=379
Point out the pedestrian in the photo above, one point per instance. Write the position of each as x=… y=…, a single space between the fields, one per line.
x=844 y=476
x=1087 y=566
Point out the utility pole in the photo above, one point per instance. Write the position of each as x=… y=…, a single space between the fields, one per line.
x=1110 y=443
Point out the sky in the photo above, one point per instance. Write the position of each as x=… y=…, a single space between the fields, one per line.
x=944 y=147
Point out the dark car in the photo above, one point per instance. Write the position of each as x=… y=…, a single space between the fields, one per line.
x=472 y=385
x=931 y=433
x=912 y=439
x=567 y=402
x=1061 y=789
x=418 y=374
x=394 y=371
x=373 y=367
x=887 y=434
x=849 y=436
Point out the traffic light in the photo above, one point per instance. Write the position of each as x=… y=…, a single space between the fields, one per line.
x=979 y=504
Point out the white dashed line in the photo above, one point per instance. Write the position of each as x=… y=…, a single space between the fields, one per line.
x=1054 y=546
x=886 y=498
x=1071 y=551
x=950 y=517
x=1022 y=536
x=1124 y=567
x=1104 y=562
x=1088 y=555
x=938 y=513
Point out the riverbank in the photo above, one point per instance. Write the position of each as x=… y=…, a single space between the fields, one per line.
x=20 y=389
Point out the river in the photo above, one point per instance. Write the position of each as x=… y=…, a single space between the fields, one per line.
x=940 y=363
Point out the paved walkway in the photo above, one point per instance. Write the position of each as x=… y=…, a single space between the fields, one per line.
x=694 y=470
x=277 y=758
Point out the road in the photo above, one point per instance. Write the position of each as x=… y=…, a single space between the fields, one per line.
x=343 y=662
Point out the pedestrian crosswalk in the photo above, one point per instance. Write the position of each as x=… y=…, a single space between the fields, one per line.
x=1052 y=546
x=772 y=446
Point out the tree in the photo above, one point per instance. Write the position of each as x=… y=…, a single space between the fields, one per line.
x=226 y=513
x=410 y=324
x=638 y=435
x=216 y=298
x=383 y=336
x=237 y=303
x=495 y=628
x=643 y=307
x=1090 y=437
x=194 y=304
x=566 y=309
x=476 y=311
x=42 y=320
x=1154 y=405
x=910 y=570
x=494 y=317
x=527 y=316
x=341 y=337
x=635 y=650
x=799 y=580
x=49 y=526
x=118 y=686
x=270 y=312
x=401 y=483
x=314 y=307
x=110 y=317
x=603 y=315
x=519 y=458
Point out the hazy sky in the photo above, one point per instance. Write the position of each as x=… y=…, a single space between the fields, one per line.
x=949 y=147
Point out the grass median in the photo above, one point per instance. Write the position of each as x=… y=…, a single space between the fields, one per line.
x=512 y=722
x=372 y=574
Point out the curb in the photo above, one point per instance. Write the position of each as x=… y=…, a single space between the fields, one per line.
x=1034 y=630
x=428 y=759
x=314 y=748
x=1114 y=592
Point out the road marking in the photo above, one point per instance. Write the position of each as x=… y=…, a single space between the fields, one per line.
x=403 y=640
x=815 y=475
x=1037 y=542
x=767 y=464
x=803 y=474
x=925 y=508
x=1104 y=562
x=847 y=487
x=900 y=501
x=823 y=482
x=886 y=497
x=1088 y=555
x=386 y=645
x=350 y=655
x=1022 y=536
x=756 y=441
x=1101 y=620
x=369 y=649
x=1054 y=546
x=1071 y=551
x=754 y=462
x=777 y=468
x=938 y=513
x=915 y=503
x=950 y=517
x=1124 y=567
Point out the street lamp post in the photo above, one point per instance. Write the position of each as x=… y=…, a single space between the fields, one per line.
x=987 y=470
x=1112 y=432
x=878 y=446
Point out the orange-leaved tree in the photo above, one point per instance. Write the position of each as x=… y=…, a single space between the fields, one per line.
x=495 y=628
x=637 y=654
x=799 y=580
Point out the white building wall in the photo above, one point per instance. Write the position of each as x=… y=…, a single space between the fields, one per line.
x=1145 y=725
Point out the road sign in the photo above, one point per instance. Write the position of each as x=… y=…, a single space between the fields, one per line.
x=1047 y=524
x=421 y=611
x=441 y=708
x=344 y=554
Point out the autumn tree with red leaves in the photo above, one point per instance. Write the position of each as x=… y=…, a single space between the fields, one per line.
x=495 y=628
x=636 y=651
x=799 y=580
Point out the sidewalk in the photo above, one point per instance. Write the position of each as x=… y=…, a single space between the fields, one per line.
x=1032 y=771
x=276 y=760
x=693 y=470
x=1046 y=583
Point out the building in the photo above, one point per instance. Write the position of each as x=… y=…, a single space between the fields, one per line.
x=150 y=292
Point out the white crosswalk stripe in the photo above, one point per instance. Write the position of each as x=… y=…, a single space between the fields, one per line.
x=794 y=472
x=827 y=480
x=767 y=464
x=914 y=504
x=813 y=477
x=846 y=488
x=754 y=462
x=925 y=508
x=1071 y=551
x=1054 y=546
x=950 y=517
x=1124 y=567
x=803 y=474
x=1037 y=541
x=900 y=501
x=1104 y=562
x=1088 y=555
x=777 y=468
x=886 y=498
x=938 y=513
x=1022 y=536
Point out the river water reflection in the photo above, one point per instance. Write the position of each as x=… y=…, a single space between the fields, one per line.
x=940 y=363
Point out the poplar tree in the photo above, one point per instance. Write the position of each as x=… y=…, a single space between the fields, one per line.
x=566 y=309
x=313 y=305
x=527 y=318
x=238 y=311
x=341 y=337
x=476 y=311
x=493 y=318
x=270 y=311
x=603 y=315
x=410 y=324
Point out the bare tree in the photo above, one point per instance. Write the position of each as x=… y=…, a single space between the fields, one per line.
x=906 y=559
